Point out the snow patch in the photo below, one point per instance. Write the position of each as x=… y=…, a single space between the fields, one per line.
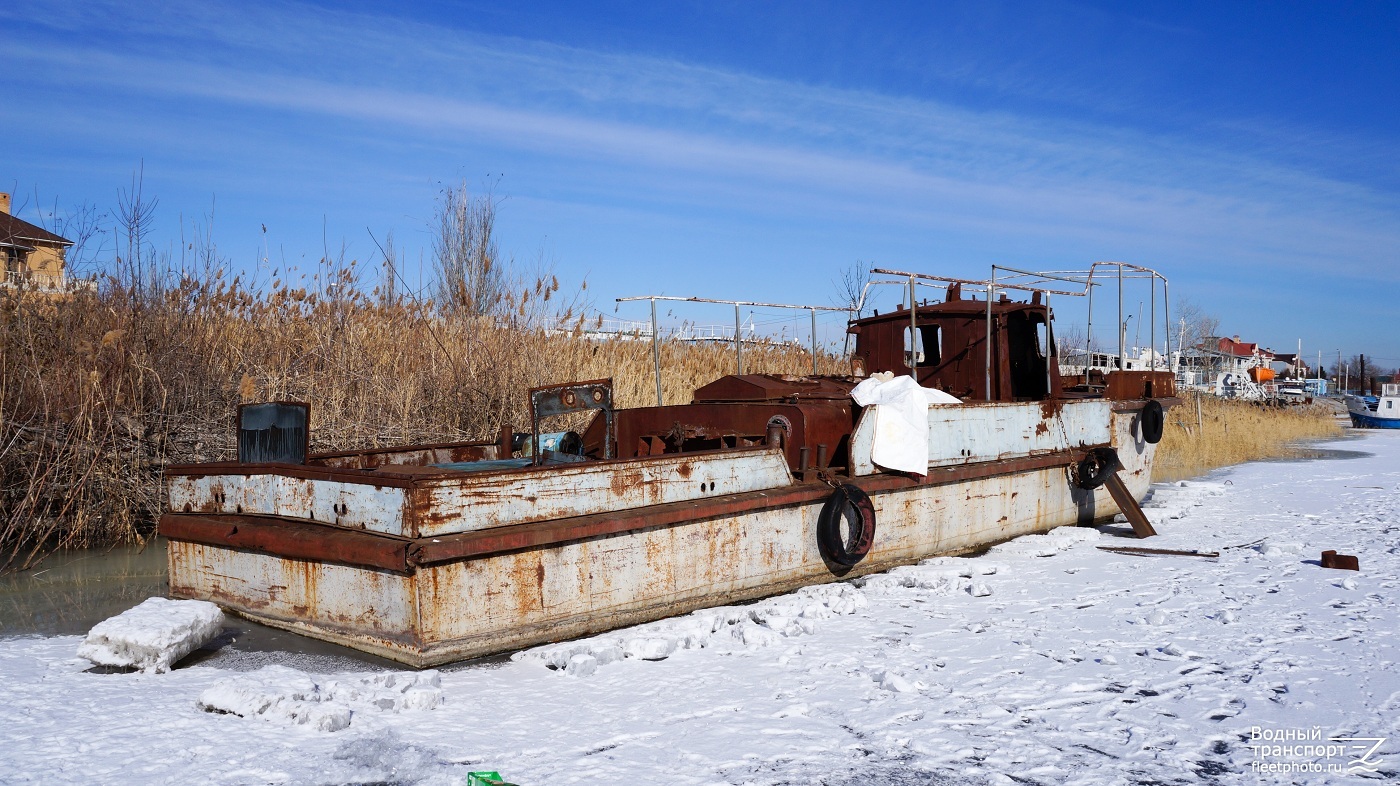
x=963 y=566
x=295 y=698
x=581 y=665
x=656 y=648
x=1271 y=548
x=937 y=580
x=385 y=757
x=1047 y=544
x=1170 y=501
x=153 y=635
x=892 y=682
x=759 y=626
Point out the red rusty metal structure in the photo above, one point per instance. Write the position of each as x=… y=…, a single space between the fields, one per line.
x=813 y=416
x=948 y=351
x=1331 y=559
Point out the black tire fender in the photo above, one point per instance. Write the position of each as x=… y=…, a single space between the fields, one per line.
x=1152 y=421
x=1095 y=468
x=846 y=546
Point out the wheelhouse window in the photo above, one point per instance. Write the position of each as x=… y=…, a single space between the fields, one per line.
x=1027 y=340
x=922 y=347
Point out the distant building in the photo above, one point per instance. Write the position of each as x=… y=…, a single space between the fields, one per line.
x=1244 y=354
x=1205 y=363
x=1294 y=367
x=34 y=258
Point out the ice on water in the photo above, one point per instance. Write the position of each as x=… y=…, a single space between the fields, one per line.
x=152 y=636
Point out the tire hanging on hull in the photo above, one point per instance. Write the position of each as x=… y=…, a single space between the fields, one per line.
x=1095 y=469
x=846 y=545
x=1151 y=422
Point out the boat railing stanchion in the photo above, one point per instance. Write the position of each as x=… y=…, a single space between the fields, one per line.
x=991 y=287
x=656 y=351
x=1167 y=326
x=1121 y=328
x=1049 y=355
x=738 y=352
x=913 y=334
x=738 y=328
x=1089 y=329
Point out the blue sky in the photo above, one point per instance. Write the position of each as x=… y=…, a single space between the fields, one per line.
x=753 y=150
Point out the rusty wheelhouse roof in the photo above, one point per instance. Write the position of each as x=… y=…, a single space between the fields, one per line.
x=961 y=308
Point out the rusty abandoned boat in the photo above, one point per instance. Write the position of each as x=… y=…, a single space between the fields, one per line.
x=432 y=553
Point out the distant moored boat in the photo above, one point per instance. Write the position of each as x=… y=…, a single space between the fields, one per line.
x=1381 y=411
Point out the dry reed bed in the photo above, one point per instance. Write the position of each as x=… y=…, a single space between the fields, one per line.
x=1206 y=432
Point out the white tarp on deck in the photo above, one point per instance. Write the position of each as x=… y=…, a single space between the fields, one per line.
x=901 y=420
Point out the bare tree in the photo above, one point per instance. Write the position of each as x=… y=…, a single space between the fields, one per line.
x=850 y=294
x=137 y=267
x=1073 y=343
x=1362 y=373
x=850 y=288
x=1200 y=325
x=472 y=279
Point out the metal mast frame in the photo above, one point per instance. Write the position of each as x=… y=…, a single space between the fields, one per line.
x=738 y=343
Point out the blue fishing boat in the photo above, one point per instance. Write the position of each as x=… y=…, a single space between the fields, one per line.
x=1381 y=411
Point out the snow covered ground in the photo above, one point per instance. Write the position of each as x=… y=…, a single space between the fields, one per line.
x=1043 y=661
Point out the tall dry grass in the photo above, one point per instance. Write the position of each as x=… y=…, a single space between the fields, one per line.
x=101 y=391
x=1206 y=432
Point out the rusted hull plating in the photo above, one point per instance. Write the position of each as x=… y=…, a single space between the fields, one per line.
x=533 y=583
